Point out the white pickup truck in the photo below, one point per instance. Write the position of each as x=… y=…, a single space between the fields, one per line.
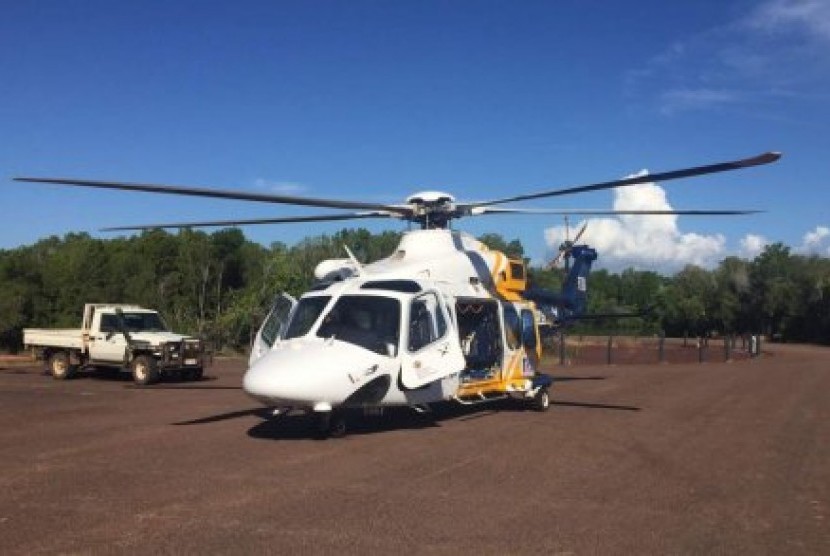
x=122 y=337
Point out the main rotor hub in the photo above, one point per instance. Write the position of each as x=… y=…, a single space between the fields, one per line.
x=432 y=209
x=430 y=198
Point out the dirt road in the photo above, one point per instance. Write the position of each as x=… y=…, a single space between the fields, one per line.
x=665 y=459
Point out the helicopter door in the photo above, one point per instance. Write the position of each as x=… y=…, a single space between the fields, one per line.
x=272 y=326
x=432 y=350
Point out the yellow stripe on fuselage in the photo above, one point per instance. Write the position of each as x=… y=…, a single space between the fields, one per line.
x=508 y=379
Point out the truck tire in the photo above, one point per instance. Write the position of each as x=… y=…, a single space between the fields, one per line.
x=60 y=367
x=144 y=369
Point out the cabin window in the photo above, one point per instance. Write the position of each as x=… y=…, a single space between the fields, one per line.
x=371 y=322
x=512 y=325
x=305 y=315
x=320 y=286
x=427 y=322
x=528 y=329
x=404 y=286
x=517 y=271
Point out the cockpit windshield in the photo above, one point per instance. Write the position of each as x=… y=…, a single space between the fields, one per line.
x=305 y=315
x=369 y=321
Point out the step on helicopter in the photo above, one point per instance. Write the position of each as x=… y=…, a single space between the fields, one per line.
x=443 y=318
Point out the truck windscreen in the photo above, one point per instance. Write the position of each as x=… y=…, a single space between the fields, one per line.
x=144 y=322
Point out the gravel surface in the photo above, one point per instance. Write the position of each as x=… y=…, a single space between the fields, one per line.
x=691 y=458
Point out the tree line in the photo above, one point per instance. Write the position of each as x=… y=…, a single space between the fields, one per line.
x=219 y=285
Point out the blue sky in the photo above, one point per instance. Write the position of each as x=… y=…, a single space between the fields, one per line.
x=375 y=100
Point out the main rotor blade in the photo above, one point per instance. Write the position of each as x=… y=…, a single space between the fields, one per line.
x=603 y=212
x=289 y=219
x=765 y=158
x=221 y=194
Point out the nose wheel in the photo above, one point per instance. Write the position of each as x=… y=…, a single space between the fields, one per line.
x=330 y=424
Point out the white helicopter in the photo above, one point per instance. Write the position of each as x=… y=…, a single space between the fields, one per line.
x=443 y=318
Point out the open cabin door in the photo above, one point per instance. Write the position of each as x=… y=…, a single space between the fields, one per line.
x=272 y=326
x=432 y=350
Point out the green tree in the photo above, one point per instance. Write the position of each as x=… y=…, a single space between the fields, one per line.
x=512 y=249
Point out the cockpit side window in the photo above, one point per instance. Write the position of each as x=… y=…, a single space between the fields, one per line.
x=427 y=322
x=276 y=320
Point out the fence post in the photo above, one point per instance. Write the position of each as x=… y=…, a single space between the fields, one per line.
x=727 y=342
x=610 y=342
x=562 y=347
x=700 y=349
x=661 y=347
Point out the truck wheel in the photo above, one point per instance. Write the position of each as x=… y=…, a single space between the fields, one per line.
x=144 y=370
x=541 y=401
x=59 y=366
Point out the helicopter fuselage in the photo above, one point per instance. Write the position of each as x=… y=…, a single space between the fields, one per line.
x=439 y=319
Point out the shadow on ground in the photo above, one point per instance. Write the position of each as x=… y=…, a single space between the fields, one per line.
x=298 y=425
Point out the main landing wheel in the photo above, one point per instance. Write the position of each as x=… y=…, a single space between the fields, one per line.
x=331 y=424
x=541 y=401
x=193 y=374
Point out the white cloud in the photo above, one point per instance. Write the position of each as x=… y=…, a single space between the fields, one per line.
x=781 y=16
x=692 y=99
x=646 y=242
x=774 y=52
x=751 y=245
x=280 y=187
x=816 y=242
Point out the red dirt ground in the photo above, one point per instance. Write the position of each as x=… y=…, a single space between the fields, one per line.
x=689 y=458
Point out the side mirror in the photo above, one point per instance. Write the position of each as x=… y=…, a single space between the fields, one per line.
x=528 y=330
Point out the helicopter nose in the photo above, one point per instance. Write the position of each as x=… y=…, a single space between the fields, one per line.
x=272 y=382
x=261 y=384
x=304 y=376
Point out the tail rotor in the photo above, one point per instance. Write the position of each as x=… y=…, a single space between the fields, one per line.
x=567 y=246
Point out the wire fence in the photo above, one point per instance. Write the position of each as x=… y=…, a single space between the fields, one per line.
x=628 y=350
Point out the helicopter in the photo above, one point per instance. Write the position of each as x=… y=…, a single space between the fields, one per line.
x=441 y=319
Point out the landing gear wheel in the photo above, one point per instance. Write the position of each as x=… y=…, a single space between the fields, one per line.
x=60 y=367
x=331 y=424
x=144 y=370
x=193 y=374
x=541 y=401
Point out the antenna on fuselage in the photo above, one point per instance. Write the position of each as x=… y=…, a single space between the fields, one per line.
x=357 y=266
